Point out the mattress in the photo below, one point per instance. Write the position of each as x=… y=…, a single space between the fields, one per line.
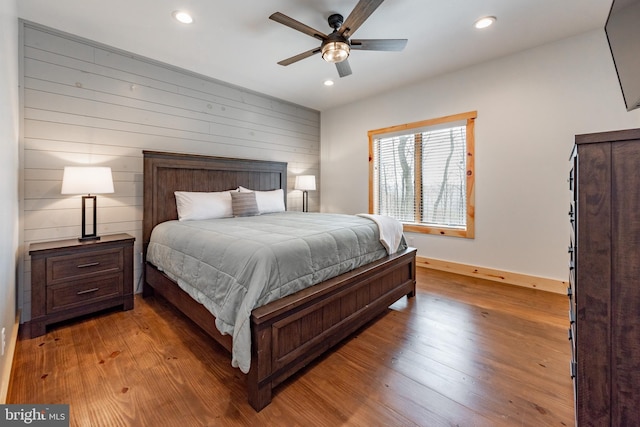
x=233 y=265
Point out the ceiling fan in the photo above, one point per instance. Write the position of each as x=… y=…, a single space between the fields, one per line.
x=335 y=47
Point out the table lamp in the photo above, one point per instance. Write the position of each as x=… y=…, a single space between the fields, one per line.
x=89 y=180
x=305 y=183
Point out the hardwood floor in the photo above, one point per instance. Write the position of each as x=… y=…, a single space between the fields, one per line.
x=463 y=352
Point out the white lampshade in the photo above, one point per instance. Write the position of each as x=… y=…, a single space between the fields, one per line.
x=87 y=180
x=305 y=183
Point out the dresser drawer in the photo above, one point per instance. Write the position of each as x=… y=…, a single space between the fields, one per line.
x=71 y=294
x=62 y=269
x=571 y=179
x=572 y=289
x=572 y=215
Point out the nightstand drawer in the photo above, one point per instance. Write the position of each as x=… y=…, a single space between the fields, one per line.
x=70 y=267
x=70 y=294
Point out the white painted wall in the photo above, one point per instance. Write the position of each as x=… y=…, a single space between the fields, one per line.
x=9 y=126
x=530 y=105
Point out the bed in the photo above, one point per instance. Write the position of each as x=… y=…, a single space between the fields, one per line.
x=290 y=332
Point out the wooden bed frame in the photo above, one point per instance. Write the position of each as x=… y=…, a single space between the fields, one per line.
x=288 y=333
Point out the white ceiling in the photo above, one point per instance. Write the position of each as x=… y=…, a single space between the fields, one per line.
x=234 y=41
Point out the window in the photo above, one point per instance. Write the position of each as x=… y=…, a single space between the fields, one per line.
x=423 y=174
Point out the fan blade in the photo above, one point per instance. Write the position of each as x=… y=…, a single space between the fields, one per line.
x=358 y=15
x=379 y=44
x=297 y=25
x=344 y=69
x=300 y=56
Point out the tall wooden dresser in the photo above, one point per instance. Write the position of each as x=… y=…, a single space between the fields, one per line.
x=604 y=285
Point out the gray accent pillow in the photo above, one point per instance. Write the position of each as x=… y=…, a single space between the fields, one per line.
x=244 y=204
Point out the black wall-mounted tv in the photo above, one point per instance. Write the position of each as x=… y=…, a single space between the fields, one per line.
x=623 y=33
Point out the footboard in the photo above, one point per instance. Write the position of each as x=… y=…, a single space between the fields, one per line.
x=289 y=333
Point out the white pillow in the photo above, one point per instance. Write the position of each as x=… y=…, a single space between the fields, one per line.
x=199 y=205
x=268 y=201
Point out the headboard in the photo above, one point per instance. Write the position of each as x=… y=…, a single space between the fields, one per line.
x=165 y=173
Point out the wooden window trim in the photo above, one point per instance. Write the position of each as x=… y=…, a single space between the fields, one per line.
x=470 y=117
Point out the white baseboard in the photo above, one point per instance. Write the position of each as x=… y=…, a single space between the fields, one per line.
x=541 y=283
x=5 y=369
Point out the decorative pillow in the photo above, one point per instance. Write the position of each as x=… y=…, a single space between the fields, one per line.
x=244 y=204
x=268 y=201
x=201 y=205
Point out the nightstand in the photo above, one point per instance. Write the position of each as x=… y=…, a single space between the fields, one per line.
x=70 y=278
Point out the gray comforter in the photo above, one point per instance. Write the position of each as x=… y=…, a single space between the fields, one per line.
x=234 y=265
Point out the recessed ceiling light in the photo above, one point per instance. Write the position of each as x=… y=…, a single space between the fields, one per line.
x=485 y=22
x=183 y=16
x=328 y=82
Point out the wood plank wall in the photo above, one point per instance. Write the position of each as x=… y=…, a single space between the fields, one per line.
x=86 y=103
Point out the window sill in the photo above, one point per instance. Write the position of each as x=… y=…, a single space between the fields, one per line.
x=441 y=231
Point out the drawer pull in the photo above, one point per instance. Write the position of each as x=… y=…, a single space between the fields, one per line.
x=87 y=291
x=89 y=264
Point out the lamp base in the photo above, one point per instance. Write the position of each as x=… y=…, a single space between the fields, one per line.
x=93 y=235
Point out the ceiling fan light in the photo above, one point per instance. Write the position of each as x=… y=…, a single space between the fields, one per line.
x=336 y=51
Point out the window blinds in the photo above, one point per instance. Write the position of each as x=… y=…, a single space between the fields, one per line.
x=431 y=161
